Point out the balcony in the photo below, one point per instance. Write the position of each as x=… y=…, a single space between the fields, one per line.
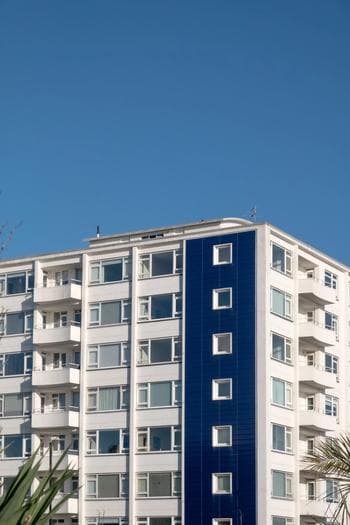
x=54 y=294
x=70 y=460
x=317 y=377
x=317 y=420
x=70 y=506
x=57 y=335
x=64 y=418
x=316 y=291
x=317 y=333
x=317 y=508
x=70 y=375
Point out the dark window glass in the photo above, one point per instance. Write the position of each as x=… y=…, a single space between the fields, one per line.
x=108 y=486
x=14 y=364
x=6 y=484
x=108 y=442
x=76 y=399
x=15 y=323
x=13 y=446
x=16 y=283
x=278 y=434
x=162 y=306
x=13 y=405
x=159 y=484
x=110 y=313
x=30 y=281
x=160 y=521
x=113 y=272
x=160 y=438
x=162 y=263
x=160 y=350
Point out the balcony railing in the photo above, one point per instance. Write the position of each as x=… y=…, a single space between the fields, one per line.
x=318 y=333
x=70 y=291
x=67 y=417
x=316 y=375
x=57 y=334
x=317 y=291
x=70 y=460
x=68 y=374
x=317 y=419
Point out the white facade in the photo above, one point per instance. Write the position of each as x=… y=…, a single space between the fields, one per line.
x=105 y=358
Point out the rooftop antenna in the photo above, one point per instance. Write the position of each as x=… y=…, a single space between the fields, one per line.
x=97 y=231
x=252 y=214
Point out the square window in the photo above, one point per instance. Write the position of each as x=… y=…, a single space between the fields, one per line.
x=222 y=436
x=222 y=521
x=222 y=389
x=222 y=254
x=222 y=298
x=222 y=343
x=222 y=483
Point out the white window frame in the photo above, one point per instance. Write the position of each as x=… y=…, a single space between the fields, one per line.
x=27 y=356
x=287 y=521
x=288 y=484
x=216 y=294
x=215 y=479
x=98 y=267
x=124 y=355
x=287 y=260
x=147 y=258
x=26 y=446
x=146 y=432
x=125 y=304
x=3 y=283
x=287 y=344
x=27 y=323
x=26 y=404
x=144 y=476
x=122 y=482
x=215 y=432
x=106 y=519
x=288 y=393
x=334 y=405
x=145 y=307
x=176 y=391
x=215 y=343
x=215 y=388
x=330 y=279
x=123 y=397
x=216 y=253
x=288 y=304
x=288 y=439
x=176 y=350
x=221 y=521
x=95 y=434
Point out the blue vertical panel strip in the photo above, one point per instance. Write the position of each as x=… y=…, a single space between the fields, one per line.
x=201 y=367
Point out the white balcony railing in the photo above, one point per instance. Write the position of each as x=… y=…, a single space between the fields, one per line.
x=318 y=420
x=317 y=333
x=60 y=418
x=55 y=335
x=317 y=376
x=68 y=375
x=316 y=291
x=51 y=294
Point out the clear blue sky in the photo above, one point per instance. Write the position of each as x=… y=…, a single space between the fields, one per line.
x=133 y=114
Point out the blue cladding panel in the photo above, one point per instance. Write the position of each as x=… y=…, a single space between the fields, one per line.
x=201 y=413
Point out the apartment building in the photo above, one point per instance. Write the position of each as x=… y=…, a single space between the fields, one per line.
x=189 y=370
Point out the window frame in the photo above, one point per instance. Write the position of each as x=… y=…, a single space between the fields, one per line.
x=144 y=310
x=176 y=350
x=27 y=356
x=125 y=305
x=216 y=253
x=99 y=266
x=145 y=476
x=176 y=401
x=288 y=393
x=215 y=343
x=122 y=482
x=123 y=436
x=287 y=349
x=26 y=445
x=288 y=438
x=26 y=401
x=215 y=298
x=215 y=433
x=287 y=260
x=146 y=432
x=177 y=264
x=95 y=392
x=215 y=480
x=215 y=388
x=287 y=304
x=124 y=352
x=288 y=483
x=29 y=274
x=27 y=323
x=330 y=280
